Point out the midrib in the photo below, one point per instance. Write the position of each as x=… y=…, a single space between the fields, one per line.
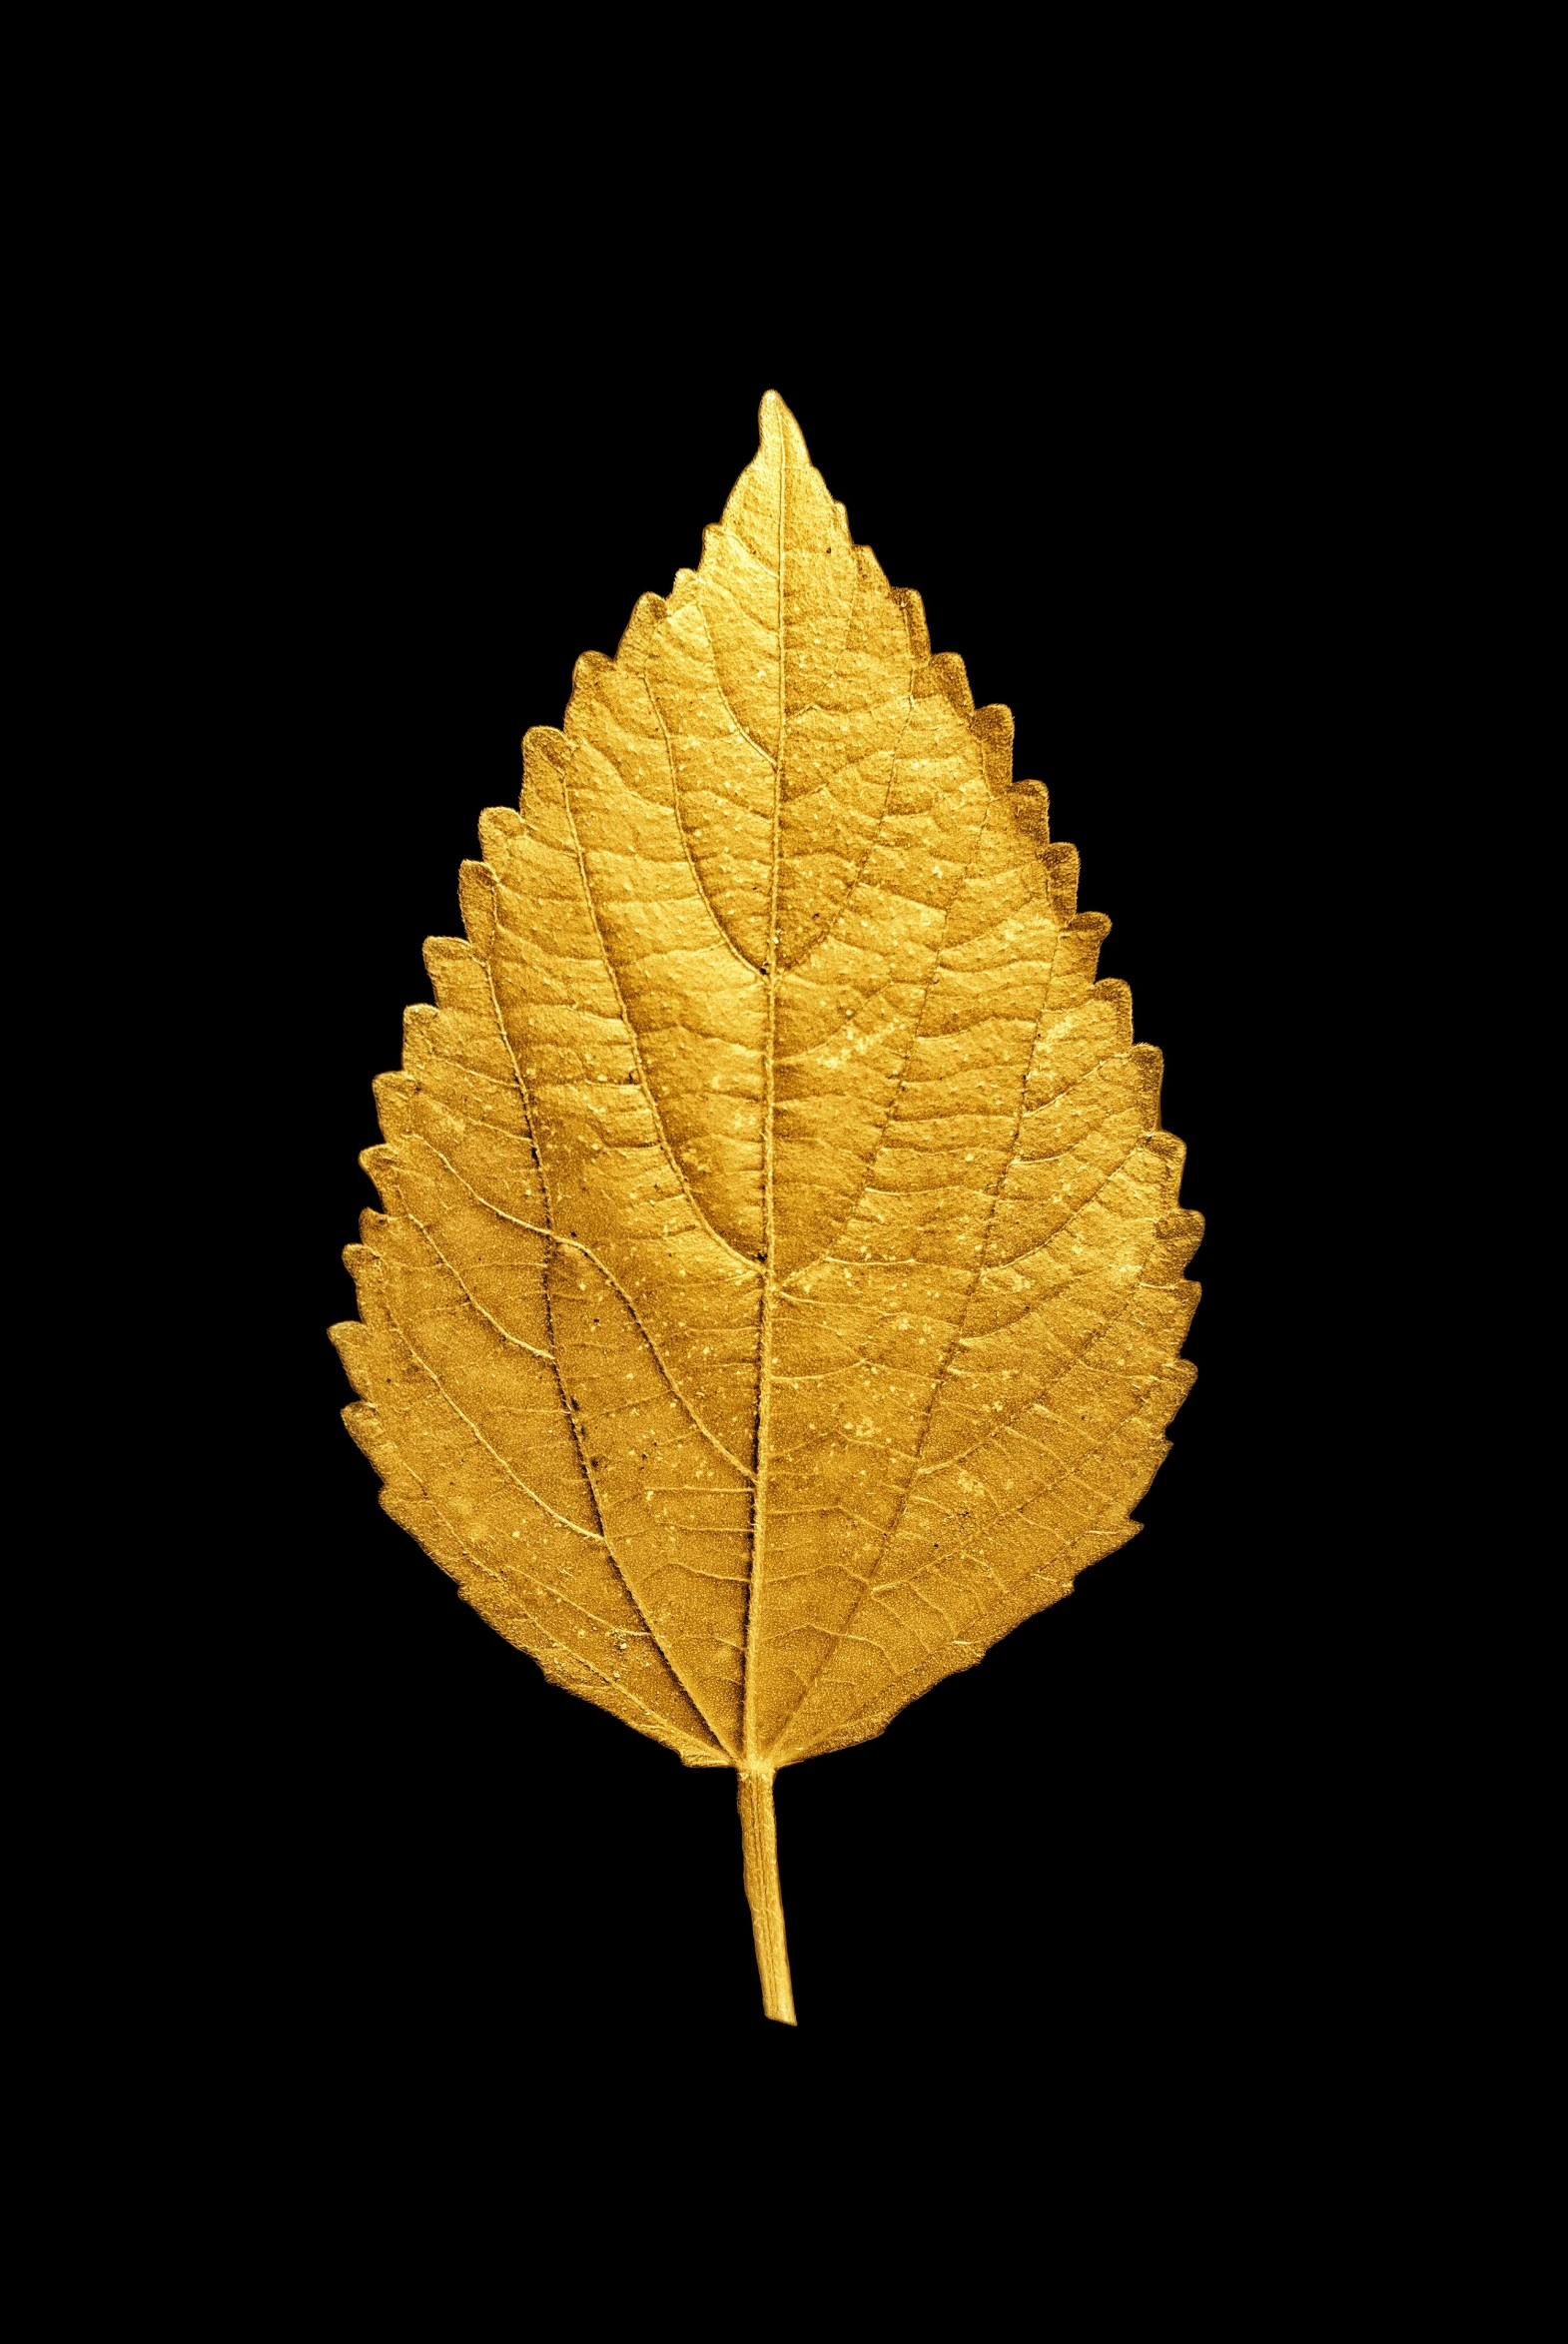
x=752 y=1754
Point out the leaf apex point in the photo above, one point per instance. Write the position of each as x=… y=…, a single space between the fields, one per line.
x=775 y=415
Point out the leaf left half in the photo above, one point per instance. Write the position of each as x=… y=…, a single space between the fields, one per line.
x=500 y=1359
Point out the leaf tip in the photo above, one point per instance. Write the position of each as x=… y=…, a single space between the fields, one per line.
x=775 y=421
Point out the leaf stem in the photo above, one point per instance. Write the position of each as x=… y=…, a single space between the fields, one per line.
x=759 y=1842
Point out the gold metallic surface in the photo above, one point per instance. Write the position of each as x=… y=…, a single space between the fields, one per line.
x=779 y=1291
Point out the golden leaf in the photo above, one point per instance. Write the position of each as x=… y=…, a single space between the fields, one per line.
x=779 y=1291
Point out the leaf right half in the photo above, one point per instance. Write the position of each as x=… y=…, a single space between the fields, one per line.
x=969 y=1349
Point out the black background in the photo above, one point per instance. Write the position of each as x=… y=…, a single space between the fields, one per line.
x=1099 y=1838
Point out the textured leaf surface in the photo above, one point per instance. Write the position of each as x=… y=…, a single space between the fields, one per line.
x=779 y=1291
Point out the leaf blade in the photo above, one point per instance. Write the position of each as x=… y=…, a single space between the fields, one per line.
x=776 y=1206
